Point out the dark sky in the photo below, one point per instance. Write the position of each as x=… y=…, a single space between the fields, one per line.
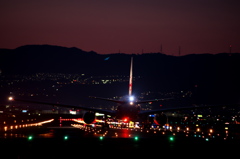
x=107 y=26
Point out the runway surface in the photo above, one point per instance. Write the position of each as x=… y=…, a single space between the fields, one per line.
x=69 y=139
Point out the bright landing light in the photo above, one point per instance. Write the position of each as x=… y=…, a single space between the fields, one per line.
x=131 y=98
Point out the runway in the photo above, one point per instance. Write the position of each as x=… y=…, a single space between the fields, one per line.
x=71 y=140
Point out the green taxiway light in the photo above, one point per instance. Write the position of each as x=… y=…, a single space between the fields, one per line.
x=65 y=137
x=101 y=137
x=171 y=138
x=30 y=137
x=135 y=138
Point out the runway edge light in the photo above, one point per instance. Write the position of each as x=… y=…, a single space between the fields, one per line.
x=65 y=137
x=30 y=138
x=136 y=138
x=171 y=138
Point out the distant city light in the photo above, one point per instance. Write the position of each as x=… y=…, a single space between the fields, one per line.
x=24 y=111
x=73 y=112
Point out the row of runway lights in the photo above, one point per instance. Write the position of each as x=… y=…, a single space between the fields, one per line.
x=166 y=128
x=6 y=128
x=99 y=132
x=197 y=133
x=102 y=135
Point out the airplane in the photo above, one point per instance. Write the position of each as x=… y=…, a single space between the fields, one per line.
x=128 y=108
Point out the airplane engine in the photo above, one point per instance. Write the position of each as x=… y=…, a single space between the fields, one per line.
x=160 y=119
x=89 y=117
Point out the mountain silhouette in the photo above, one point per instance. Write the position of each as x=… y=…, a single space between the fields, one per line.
x=214 y=76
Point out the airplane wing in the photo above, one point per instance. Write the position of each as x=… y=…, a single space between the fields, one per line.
x=107 y=99
x=136 y=102
x=109 y=112
x=153 y=100
x=185 y=108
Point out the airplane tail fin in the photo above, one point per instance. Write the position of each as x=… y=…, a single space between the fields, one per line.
x=130 y=78
x=129 y=88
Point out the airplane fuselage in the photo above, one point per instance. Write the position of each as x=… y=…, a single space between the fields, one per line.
x=127 y=111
